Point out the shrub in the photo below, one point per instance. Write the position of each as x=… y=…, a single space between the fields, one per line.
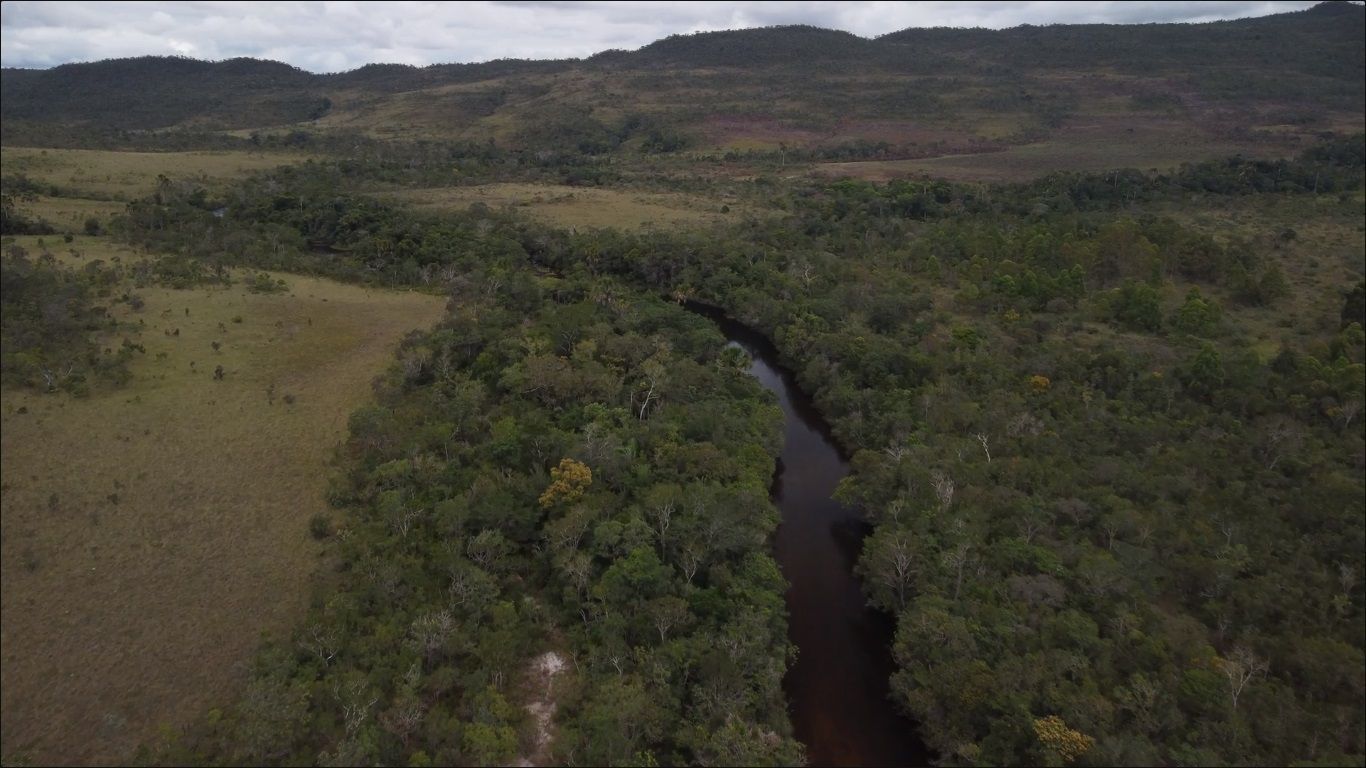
x=320 y=526
x=262 y=283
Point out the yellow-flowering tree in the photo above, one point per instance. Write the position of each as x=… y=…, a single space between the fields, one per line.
x=1065 y=742
x=568 y=482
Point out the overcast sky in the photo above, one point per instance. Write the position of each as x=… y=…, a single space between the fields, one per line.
x=336 y=36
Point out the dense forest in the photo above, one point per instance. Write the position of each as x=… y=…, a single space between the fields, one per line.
x=1111 y=531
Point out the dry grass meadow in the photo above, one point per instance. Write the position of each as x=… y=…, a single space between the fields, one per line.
x=1319 y=244
x=567 y=206
x=1100 y=143
x=151 y=534
x=109 y=175
x=97 y=183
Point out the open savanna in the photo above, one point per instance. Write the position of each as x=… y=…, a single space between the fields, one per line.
x=1320 y=245
x=110 y=175
x=1093 y=144
x=567 y=206
x=150 y=535
x=69 y=214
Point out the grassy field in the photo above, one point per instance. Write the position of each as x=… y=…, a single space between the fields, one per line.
x=567 y=206
x=149 y=535
x=97 y=183
x=69 y=214
x=1096 y=144
x=107 y=175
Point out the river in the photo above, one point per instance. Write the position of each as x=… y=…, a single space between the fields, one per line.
x=837 y=691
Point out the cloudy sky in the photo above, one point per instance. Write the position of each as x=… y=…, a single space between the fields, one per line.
x=336 y=36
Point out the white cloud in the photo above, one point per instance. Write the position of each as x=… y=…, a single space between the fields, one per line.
x=333 y=36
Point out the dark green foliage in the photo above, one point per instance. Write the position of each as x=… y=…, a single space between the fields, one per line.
x=1354 y=308
x=49 y=319
x=1334 y=165
x=1136 y=306
x=178 y=271
x=16 y=222
x=320 y=526
x=155 y=92
x=264 y=283
x=1198 y=316
x=1228 y=57
x=787 y=46
x=664 y=140
x=1263 y=289
x=14 y=190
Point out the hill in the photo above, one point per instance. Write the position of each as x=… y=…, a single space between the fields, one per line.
x=159 y=91
x=914 y=93
x=1277 y=41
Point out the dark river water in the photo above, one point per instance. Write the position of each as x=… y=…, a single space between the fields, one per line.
x=837 y=691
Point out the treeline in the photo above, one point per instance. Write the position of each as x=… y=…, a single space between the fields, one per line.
x=569 y=129
x=14 y=221
x=17 y=190
x=27 y=133
x=51 y=321
x=845 y=151
x=1333 y=165
x=358 y=157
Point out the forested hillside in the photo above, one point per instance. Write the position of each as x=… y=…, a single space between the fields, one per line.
x=156 y=92
x=913 y=93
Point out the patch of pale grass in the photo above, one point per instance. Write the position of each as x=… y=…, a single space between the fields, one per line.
x=581 y=207
x=152 y=534
x=104 y=174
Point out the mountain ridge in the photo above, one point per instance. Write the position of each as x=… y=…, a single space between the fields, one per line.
x=763 y=88
x=1328 y=8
